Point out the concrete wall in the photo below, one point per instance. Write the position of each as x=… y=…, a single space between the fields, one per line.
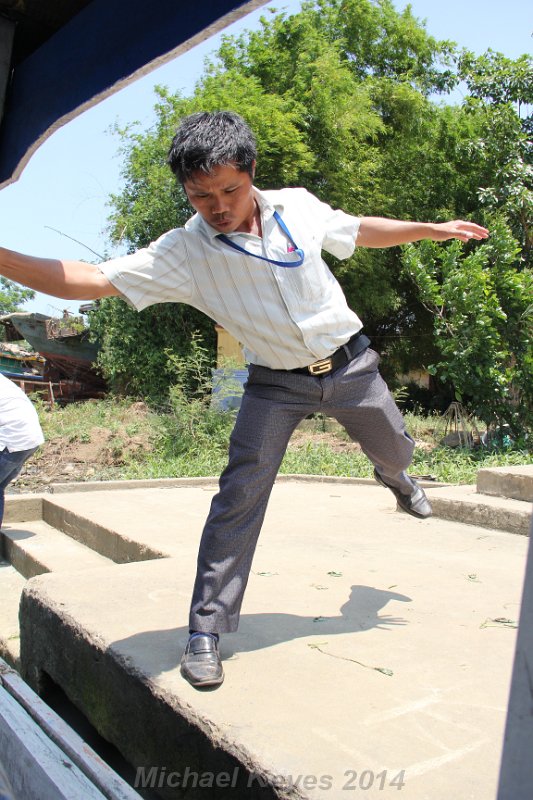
x=516 y=775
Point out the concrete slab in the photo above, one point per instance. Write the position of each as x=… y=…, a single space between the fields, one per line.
x=373 y=648
x=157 y=522
x=11 y=586
x=36 y=547
x=153 y=522
x=23 y=507
x=98 y=537
x=514 y=482
x=465 y=504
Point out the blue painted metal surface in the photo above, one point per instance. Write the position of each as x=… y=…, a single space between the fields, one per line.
x=98 y=51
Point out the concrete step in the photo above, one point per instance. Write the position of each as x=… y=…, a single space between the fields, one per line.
x=41 y=536
x=465 y=504
x=35 y=547
x=11 y=586
x=81 y=520
x=372 y=646
x=513 y=482
x=81 y=524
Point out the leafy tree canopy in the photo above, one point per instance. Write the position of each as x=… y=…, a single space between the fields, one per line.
x=481 y=302
x=341 y=97
x=12 y=296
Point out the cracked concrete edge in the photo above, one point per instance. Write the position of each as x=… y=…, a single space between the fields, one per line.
x=10 y=652
x=162 y=731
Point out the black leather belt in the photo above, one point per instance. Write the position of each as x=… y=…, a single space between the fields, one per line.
x=339 y=358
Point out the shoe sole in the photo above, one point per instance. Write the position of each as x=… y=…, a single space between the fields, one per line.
x=411 y=513
x=399 y=507
x=199 y=684
x=202 y=684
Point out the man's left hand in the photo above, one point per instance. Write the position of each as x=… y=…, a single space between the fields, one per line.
x=458 y=229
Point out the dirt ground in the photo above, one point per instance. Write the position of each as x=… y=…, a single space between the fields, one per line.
x=63 y=460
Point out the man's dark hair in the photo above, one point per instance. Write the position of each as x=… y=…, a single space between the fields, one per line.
x=211 y=139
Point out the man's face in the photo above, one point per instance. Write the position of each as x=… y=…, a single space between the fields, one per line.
x=224 y=198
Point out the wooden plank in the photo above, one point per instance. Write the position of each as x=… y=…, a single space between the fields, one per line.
x=36 y=768
x=55 y=736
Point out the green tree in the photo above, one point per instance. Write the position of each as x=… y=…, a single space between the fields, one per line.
x=330 y=93
x=132 y=355
x=341 y=98
x=363 y=74
x=500 y=93
x=12 y=296
x=481 y=303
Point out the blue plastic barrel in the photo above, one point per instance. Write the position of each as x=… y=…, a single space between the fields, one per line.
x=228 y=386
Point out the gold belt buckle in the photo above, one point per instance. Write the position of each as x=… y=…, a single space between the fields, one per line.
x=321 y=367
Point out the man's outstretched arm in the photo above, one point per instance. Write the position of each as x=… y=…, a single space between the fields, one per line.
x=381 y=232
x=70 y=280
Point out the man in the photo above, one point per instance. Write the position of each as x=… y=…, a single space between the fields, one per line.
x=20 y=434
x=252 y=261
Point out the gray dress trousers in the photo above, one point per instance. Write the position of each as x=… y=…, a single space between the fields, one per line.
x=273 y=404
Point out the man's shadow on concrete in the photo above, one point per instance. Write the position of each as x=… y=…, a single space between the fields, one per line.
x=359 y=613
x=262 y=630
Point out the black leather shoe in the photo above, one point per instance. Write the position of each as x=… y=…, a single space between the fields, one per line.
x=200 y=663
x=415 y=503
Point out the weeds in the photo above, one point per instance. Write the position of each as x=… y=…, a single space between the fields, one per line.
x=190 y=438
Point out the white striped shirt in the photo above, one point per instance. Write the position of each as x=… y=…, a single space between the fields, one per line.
x=284 y=317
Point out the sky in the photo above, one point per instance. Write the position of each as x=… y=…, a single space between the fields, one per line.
x=64 y=190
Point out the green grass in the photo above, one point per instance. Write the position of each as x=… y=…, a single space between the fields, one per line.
x=321 y=459
x=192 y=441
x=450 y=465
x=76 y=421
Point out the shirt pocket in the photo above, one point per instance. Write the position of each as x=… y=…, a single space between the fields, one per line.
x=308 y=283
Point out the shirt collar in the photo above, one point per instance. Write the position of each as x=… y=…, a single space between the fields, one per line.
x=197 y=223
